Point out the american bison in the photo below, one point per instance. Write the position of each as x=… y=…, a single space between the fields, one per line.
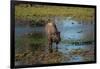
x=53 y=35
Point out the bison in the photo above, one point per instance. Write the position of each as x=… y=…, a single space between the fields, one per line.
x=53 y=35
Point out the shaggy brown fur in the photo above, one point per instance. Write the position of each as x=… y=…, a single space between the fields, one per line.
x=53 y=35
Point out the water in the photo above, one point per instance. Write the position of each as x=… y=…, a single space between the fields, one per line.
x=20 y=31
x=70 y=30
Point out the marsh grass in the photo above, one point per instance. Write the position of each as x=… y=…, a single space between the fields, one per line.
x=31 y=49
x=35 y=40
x=39 y=12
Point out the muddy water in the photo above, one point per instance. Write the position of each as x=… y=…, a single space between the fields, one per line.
x=70 y=30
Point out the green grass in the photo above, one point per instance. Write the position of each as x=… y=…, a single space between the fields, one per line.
x=44 y=11
x=29 y=42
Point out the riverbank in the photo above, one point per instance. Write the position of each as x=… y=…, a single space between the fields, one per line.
x=33 y=49
x=43 y=12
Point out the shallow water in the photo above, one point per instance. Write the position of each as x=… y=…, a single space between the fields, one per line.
x=20 y=31
x=70 y=30
x=73 y=30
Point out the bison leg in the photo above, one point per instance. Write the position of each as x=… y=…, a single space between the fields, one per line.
x=50 y=45
x=56 y=47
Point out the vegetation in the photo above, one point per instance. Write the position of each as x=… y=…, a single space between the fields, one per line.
x=40 y=57
x=30 y=42
x=43 y=12
x=31 y=49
